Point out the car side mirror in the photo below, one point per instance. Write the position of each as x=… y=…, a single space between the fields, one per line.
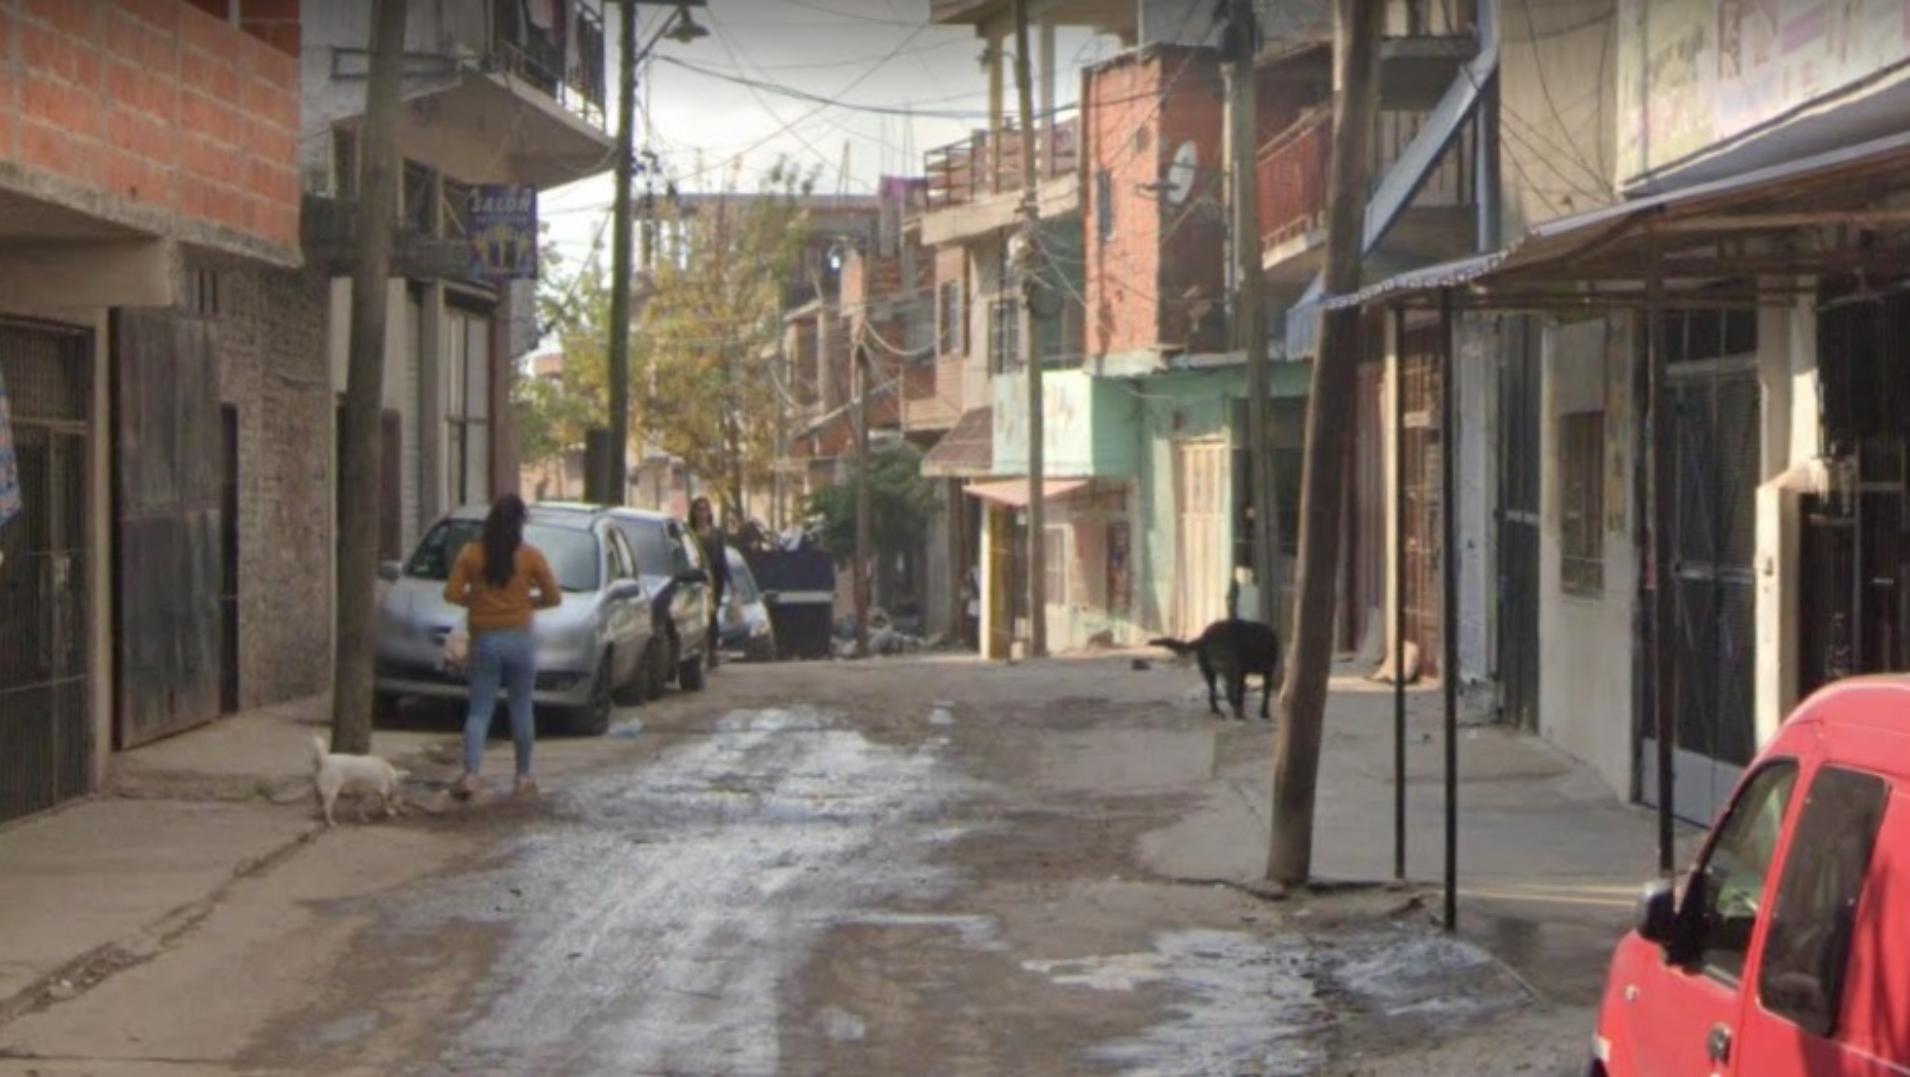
x=626 y=589
x=390 y=570
x=692 y=575
x=1658 y=913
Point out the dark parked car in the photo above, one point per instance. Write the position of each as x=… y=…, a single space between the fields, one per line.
x=671 y=565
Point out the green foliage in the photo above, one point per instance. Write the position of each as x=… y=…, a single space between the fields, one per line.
x=900 y=501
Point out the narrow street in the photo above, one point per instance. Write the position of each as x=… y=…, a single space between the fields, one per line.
x=875 y=868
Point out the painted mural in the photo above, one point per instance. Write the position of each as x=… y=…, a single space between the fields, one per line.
x=1704 y=71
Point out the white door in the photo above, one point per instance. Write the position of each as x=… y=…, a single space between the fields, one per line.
x=1201 y=487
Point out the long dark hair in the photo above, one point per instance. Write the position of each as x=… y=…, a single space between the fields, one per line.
x=700 y=510
x=503 y=534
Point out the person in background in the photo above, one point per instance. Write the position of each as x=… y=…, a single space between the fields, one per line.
x=972 y=608
x=716 y=556
x=501 y=581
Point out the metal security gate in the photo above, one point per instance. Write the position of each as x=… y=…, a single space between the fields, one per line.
x=1420 y=382
x=1715 y=453
x=45 y=731
x=169 y=538
x=1519 y=455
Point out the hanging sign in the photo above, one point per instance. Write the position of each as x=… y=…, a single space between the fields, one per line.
x=503 y=232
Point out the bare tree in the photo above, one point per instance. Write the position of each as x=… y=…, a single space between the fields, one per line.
x=1329 y=430
x=364 y=386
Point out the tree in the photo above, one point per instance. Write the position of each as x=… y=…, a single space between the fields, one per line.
x=713 y=329
x=900 y=504
x=364 y=387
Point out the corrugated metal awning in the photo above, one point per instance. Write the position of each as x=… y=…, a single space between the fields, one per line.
x=967 y=450
x=1613 y=250
x=1014 y=492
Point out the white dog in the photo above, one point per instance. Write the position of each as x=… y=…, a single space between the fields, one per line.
x=333 y=774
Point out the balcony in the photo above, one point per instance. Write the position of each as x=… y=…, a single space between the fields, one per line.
x=932 y=394
x=1292 y=189
x=571 y=73
x=982 y=165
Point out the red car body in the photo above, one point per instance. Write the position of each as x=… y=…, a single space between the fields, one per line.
x=1786 y=950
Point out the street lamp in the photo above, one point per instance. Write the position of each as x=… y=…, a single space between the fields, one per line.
x=685 y=29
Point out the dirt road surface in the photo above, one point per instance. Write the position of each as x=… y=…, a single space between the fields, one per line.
x=894 y=867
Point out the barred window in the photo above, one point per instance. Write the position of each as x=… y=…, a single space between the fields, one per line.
x=1582 y=494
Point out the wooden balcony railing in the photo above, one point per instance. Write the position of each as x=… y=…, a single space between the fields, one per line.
x=1293 y=171
x=983 y=165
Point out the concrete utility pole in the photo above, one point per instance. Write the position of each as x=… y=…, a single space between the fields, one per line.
x=1031 y=355
x=865 y=380
x=1250 y=333
x=620 y=272
x=365 y=386
x=1296 y=756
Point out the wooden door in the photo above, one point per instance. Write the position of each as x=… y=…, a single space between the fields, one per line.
x=169 y=541
x=1201 y=487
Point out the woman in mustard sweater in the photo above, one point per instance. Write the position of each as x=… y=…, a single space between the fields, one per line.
x=501 y=581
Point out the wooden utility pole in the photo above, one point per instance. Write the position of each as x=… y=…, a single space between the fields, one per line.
x=358 y=507
x=1329 y=430
x=1250 y=333
x=620 y=269
x=1030 y=354
x=865 y=381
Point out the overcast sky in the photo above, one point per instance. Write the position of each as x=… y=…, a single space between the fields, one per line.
x=879 y=53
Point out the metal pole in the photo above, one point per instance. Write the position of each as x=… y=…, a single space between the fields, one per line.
x=620 y=270
x=1399 y=593
x=1249 y=326
x=1030 y=352
x=1449 y=599
x=1662 y=611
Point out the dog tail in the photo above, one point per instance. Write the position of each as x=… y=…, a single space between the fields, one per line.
x=319 y=751
x=1178 y=646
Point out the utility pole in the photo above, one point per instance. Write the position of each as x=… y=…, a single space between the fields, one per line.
x=1249 y=319
x=864 y=378
x=1030 y=354
x=1296 y=756
x=364 y=386
x=620 y=273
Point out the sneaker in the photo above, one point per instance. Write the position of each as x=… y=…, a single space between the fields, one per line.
x=526 y=786
x=465 y=787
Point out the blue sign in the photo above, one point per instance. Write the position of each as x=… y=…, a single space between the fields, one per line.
x=502 y=230
x=9 y=469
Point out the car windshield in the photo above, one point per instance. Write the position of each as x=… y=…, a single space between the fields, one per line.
x=652 y=544
x=572 y=554
x=741 y=581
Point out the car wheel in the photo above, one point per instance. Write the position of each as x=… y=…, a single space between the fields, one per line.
x=692 y=674
x=635 y=690
x=593 y=718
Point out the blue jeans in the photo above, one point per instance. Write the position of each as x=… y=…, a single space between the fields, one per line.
x=508 y=658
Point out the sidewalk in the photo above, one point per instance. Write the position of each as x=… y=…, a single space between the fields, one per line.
x=1550 y=860
x=107 y=881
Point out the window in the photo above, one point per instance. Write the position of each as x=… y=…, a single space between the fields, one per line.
x=1582 y=503
x=655 y=552
x=467 y=406
x=1808 y=946
x=572 y=554
x=1104 y=204
x=202 y=292
x=1054 y=565
x=1726 y=894
x=1004 y=334
x=345 y=163
x=420 y=209
x=951 y=316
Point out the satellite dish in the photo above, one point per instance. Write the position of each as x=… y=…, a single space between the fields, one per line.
x=1180 y=174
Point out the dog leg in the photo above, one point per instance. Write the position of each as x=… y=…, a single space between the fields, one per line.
x=327 y=802
x=1237 y=694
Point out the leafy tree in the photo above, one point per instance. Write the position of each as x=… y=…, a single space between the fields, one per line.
x=900 y=501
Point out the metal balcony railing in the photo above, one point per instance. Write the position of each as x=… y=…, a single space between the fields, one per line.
x=1293 y=171
x=571 y=71
x=983 y=165
x=1430 y=18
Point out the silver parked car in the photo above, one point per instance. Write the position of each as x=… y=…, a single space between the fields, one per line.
x=746 y=625
x=589 y=649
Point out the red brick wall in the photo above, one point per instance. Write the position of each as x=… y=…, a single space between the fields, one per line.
x=158 y=104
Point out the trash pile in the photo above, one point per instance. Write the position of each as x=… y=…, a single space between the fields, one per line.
x=887 y=635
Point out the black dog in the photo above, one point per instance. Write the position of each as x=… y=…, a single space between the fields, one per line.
x=1233 y=649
